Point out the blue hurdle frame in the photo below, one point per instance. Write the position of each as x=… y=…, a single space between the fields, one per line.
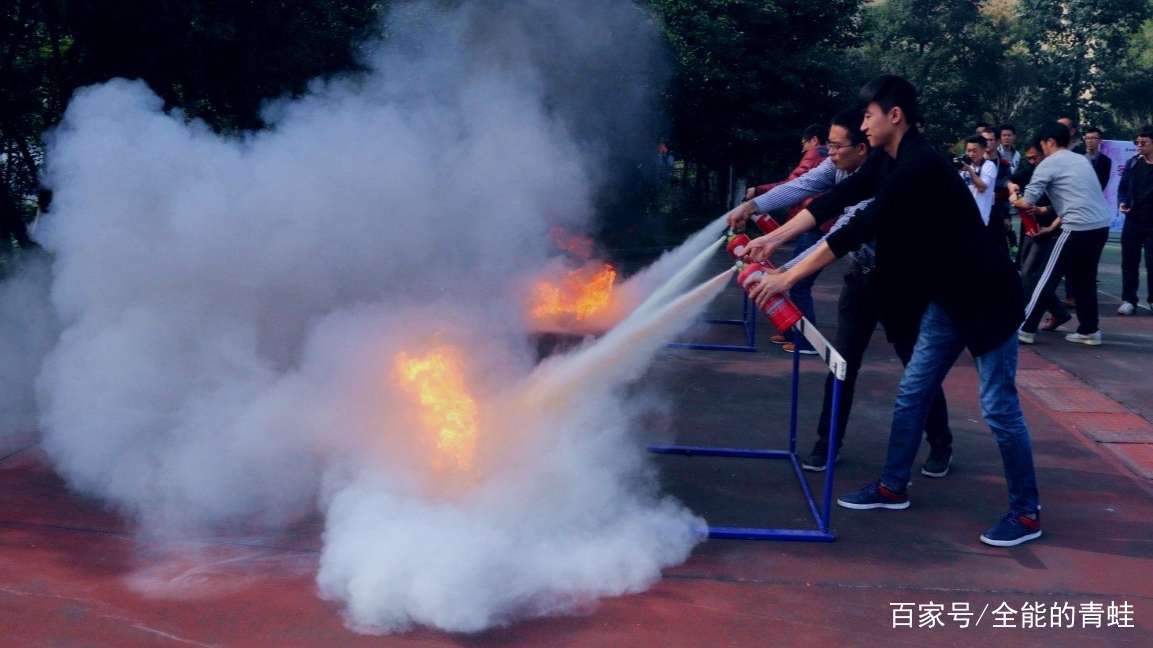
x=821 y=515
x=748 y=321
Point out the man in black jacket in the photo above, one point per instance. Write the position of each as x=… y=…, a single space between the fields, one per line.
x=959 y=292
x=1136 y=202
x=1102 y=164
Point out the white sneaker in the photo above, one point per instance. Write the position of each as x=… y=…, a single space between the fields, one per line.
x=1093 y=339
x=1145 y=305
x=1126 y=308
x=1026 y=338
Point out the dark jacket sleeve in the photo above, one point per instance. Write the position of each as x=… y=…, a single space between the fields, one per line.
x=1123 y=196
x=1103 y=165
x=860 y=186
x=891 y=198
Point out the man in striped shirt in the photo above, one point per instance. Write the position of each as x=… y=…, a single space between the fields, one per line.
x=816 y=153
x=857 y=311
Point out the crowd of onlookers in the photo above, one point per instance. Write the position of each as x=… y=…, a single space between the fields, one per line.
x=997 y=168
x=1039 y=228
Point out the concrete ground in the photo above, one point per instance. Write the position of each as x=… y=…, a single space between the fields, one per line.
x=1120 y=368
x=71 y=572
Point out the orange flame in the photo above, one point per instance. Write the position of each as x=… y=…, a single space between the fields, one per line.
x=437 y=379
x=584 y=292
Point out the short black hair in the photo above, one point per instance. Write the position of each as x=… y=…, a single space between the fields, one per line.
x=976 y=139
x=1072 y=121
x=814 y=130
x=1006 y=127
x=983 y=126
x=1093 y=129
x=891 y=91
x=850 y=120
x=1146 y=131
x=1054 y=131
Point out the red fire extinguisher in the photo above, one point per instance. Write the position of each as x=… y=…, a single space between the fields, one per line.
x=1029 y=220
x=765 y=222
x=780 y=310
x=738 y=245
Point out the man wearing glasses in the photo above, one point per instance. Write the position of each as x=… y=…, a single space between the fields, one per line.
x=1102 y=165
x=1136 y=202
x=858 y=312
x=814 y=156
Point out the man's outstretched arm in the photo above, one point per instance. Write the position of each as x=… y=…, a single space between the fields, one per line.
x=780 y=282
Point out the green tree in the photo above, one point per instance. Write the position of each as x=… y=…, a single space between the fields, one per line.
x=1126 y=92
x=949 y=49
x=1080 y=49
x=750 y=74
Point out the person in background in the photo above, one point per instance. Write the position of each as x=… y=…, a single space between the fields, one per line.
x=813 y=152
x=981 y=128
x=1000 y=223
x=1102 y=165
x=1037 y=242
x=979 y=174
x=1135 y=197
x=1078 y=147
x=1071 y=184
x=1007 y=148
x=1007 y=151
x=1075 y=143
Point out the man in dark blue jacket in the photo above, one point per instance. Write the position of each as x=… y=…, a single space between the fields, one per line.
x=957 y=291
x=1136 y=201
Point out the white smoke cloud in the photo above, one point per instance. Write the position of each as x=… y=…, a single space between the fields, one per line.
x=28 y=330
x=232 y=309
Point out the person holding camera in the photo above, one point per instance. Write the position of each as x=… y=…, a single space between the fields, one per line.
x=979 y=174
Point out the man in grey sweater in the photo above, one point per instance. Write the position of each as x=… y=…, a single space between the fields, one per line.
x=1071 y=184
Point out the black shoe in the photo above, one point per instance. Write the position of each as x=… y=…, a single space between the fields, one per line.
x=937 y=465
x=818 y=459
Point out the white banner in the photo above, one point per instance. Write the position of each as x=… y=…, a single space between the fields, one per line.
x=1119 y=152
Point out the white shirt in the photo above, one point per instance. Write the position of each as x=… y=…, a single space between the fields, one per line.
x=984 y=198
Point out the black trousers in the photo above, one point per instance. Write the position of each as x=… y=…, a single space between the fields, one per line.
x=1076 y=256
x=1135 y=238
x=1035 y=253
x=857 y=318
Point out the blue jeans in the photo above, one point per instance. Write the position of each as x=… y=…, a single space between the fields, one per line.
x=938 y=346
x=802 y=292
